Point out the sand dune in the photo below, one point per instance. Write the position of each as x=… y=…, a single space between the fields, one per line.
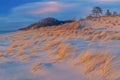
x=61 y=53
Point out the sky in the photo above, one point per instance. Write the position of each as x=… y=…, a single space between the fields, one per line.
x=15 y=14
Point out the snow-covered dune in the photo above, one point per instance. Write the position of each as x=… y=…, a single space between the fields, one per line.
x=64 y=52
x=104 y=22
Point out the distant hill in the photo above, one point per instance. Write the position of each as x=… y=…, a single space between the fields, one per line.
x=45 y=23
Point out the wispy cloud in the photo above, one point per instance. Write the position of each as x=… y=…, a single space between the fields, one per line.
x=49 y=7
x=41 y=7
x=107 y=0
x=24 y=12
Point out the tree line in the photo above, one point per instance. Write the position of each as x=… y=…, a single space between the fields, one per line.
x=97 y=11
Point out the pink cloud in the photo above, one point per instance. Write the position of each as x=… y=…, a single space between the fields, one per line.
x=50 y=7
x=107 y=0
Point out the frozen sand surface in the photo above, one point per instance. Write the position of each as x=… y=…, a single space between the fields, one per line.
x=60 y=54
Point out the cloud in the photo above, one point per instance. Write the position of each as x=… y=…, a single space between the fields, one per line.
x=49 y=7
x=107 y=0
x=29 y=11
x=41 y=7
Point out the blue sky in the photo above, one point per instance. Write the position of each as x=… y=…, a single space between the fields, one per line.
x=15 y=14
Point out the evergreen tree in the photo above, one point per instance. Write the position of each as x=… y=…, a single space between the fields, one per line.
x=97 y=11
x=108 y=13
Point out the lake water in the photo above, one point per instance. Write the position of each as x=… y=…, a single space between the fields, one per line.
x=5 y=32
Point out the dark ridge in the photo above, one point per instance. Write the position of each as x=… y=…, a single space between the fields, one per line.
x=45 y=23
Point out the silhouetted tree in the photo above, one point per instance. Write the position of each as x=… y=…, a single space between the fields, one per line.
x=97 y=11
x=108 y=13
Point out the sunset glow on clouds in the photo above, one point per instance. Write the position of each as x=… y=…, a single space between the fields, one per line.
x=108 y=0
x=41 y=8
x=48 y=7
